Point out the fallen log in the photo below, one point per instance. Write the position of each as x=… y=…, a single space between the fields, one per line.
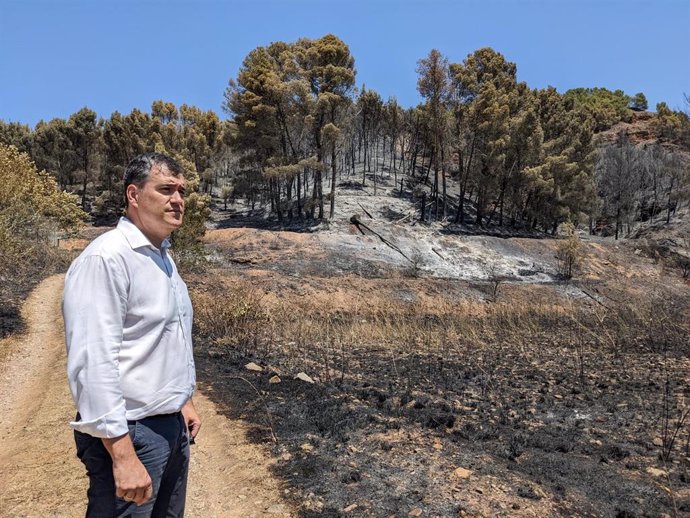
x=365 y=211
x=354 y=219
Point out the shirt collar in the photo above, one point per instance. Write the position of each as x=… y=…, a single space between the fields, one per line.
x=136 y=237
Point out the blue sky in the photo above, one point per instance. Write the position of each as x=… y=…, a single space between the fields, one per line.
x=58 y=56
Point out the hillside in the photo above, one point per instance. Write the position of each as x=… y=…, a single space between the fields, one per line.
x=454 y=374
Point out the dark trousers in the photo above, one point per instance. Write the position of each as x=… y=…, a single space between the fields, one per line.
x=162 y=445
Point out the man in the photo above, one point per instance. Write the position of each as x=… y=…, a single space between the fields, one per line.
x=128 y=320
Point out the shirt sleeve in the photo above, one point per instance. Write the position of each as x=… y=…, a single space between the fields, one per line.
x=94 y=309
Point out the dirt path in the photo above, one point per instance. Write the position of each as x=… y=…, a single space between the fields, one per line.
x=40 y=475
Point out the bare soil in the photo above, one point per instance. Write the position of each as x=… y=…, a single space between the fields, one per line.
x=40 y=475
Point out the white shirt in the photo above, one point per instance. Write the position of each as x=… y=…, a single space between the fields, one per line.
x=128 y=323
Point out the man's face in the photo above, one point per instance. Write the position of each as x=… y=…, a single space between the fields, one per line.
x=159 y=203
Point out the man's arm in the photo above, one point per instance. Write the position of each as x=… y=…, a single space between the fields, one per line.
x=191 y=418
x=132 y=481
x=94 y=309
x=94 y=312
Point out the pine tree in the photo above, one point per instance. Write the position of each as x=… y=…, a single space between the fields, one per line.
x=639 y=102
x=432 y=84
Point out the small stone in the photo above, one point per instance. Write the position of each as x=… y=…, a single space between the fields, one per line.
x=251 y=366
x=658 y=441
x=277 y=509
x=438 y=446
x=415 y=512
x=656 y=472
x=462 y=473
x=350 y=508
x=274 y=379
x=307 y=447
x=304 y=377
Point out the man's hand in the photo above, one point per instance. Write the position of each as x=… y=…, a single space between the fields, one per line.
x=191 y=418
x=132 y=481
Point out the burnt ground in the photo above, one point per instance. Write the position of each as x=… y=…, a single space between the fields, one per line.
x=390 y=441
x=433 y=395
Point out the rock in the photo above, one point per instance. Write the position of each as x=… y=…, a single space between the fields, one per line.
x=415 y=512
x=528 y=492
x=274 y=379
x=277 y=509
x=658 y=441
x=462 y=473
x=307 y=447
x=656 y=472
x=251 y=366
x=350 y=508
x=352 y=477
x=304 y=377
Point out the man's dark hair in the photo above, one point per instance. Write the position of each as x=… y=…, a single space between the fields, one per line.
x=139 y=169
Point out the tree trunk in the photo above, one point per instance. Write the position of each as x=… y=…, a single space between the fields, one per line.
x=618 y=215
x=288 y=196
x=480 y=202
x=276 y=193
x=436 y=173
x=299 y=195
x=443 y=179
x=320 y=187
x=333 y=173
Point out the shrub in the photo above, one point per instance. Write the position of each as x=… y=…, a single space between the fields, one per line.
x=33 y=213
x=569 y=252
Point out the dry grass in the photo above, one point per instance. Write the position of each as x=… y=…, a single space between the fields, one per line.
x=239 y=314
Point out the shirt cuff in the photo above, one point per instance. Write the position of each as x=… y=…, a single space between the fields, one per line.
x=111 y=425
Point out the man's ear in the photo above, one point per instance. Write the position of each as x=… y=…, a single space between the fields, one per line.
x=132 y=195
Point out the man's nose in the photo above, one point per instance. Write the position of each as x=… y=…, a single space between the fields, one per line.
x=177 y=197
